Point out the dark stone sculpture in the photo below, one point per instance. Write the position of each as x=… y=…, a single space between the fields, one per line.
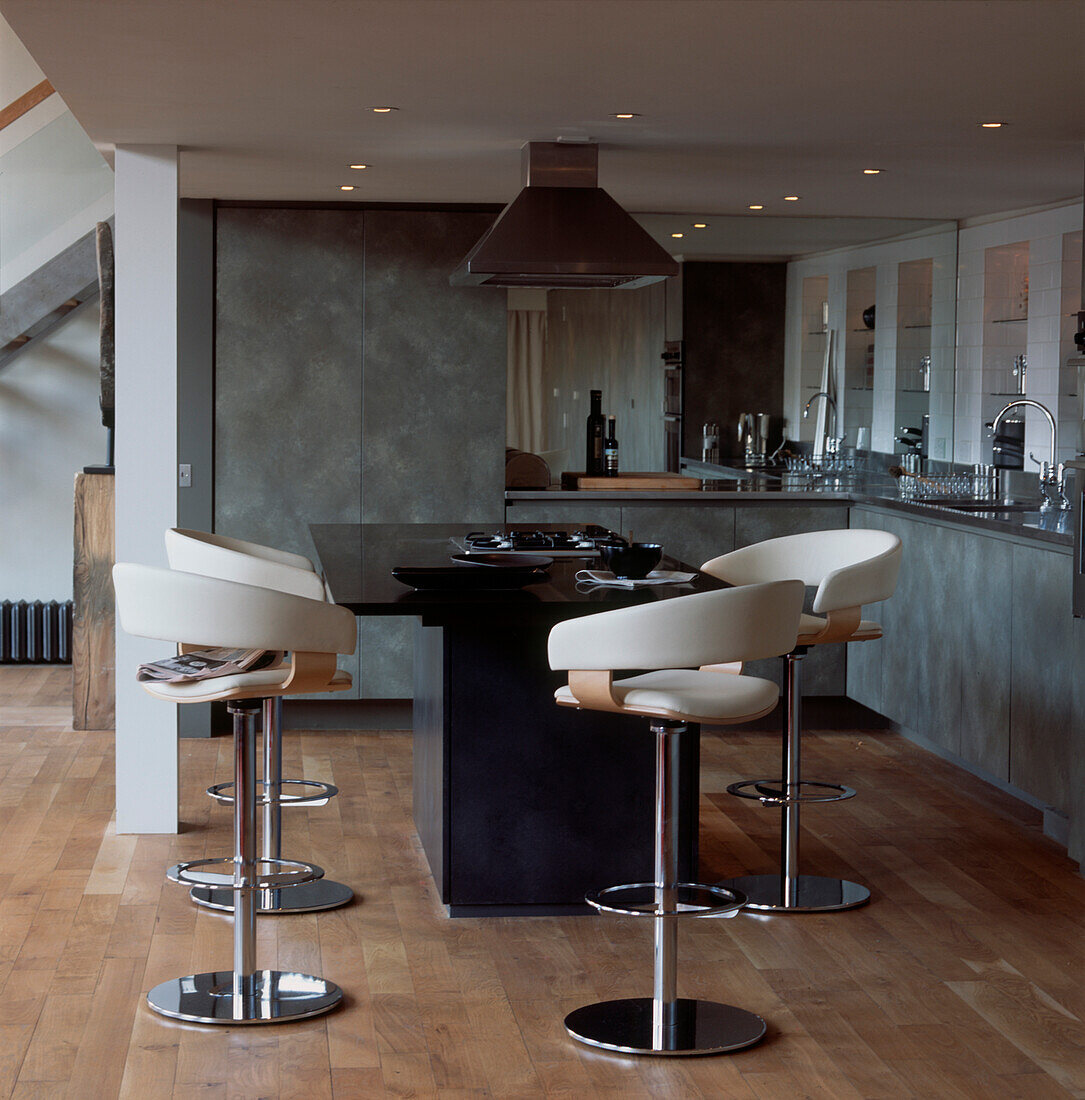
x=104 y=241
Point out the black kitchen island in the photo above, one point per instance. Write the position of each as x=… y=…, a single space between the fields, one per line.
x=522 y=806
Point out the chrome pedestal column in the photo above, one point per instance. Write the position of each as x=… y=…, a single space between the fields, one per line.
x=666 y=1023
x=307 y=897
x=244 y=995
x=790 y=891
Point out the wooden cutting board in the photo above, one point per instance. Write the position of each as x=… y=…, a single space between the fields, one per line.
x=642 y=481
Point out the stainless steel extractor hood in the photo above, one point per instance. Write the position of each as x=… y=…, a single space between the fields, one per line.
x=563 y=231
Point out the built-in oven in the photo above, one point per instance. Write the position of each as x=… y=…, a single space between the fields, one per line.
x=672 y=405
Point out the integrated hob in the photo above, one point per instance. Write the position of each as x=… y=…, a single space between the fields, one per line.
x=581 y=543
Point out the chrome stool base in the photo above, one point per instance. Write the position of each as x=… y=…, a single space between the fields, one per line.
x=788 y=891
x=274 y=996
x=666 y=1023
x=308 y=897
x=808 y=894
x=697 y=1027
x=245 y=994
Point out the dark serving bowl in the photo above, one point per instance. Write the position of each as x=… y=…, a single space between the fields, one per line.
x=632 y=562
x=506 y=560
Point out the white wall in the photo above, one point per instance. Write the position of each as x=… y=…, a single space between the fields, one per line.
x=53 y=187
x=146 y=488
x=19 y=72
x=885 y=256
x=50 y=428
x=54 y=184
x=1044 y=233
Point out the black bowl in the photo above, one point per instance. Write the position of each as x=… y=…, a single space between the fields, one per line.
x=632 y=562
x=500 y=560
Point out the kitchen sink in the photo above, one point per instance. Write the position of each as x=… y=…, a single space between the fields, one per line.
x=1007 y=507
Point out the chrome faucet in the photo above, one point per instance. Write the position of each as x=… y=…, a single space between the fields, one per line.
x=1053 y=473
x=1020 y=371
x=819 y=444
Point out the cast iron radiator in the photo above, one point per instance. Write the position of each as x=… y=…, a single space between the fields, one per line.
x=35 y=632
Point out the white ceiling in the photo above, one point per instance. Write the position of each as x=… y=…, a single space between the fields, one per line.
x=741 y=101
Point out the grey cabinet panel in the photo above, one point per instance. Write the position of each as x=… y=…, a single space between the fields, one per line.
x=691 y=533
x=943 y=658
x=288 y=357
x=978 y=655
x=386 y=651
x=1075 y=769
x=864 y=673
x=864 y=659
x=756 y=523
x=434 y=376
x=822 y=673
x=354 y=384
x=1040 y=703
x=921 y=662
x=288 y=391
x=530 y=512
x=985 y=572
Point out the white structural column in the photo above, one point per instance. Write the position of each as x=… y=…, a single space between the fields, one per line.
x=146 y=190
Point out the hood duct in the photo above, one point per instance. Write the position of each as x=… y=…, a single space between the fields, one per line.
x=563 y=231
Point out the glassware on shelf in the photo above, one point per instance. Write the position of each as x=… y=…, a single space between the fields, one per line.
x=980 y=483
x=846 y=461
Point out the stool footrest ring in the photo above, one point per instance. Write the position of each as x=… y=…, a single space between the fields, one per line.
x=772 y=792
x=293 y=873
x=694 y=899
x=320 y=795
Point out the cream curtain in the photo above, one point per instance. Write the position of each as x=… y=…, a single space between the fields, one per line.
x=524 y=398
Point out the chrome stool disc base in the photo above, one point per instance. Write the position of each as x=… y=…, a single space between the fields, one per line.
x=277 y=996
x=699 y=1027
x=308 y=897
x=811 y=894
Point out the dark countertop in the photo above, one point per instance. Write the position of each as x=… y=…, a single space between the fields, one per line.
x=862 y=488
x=1052 y=528
x=357 y=560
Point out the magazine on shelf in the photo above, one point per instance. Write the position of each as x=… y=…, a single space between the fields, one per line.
x=204 y=664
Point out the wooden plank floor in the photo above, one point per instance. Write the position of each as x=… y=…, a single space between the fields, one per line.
x=963 y=978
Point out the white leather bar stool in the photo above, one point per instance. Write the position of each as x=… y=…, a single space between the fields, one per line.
x=672 y=638
x=251 y=563
x=849 y=569
x=207 y=611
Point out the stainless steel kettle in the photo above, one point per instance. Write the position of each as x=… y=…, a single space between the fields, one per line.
x=753 y=434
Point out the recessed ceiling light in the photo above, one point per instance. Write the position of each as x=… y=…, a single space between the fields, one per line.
x=347 y=187
x=676 y=235
x=627 y=114
x=872 y=171
x=791 y=198
x=700 y=225
x=992 y=125
x=359 y=166
x=383 y=110
x=756 y=206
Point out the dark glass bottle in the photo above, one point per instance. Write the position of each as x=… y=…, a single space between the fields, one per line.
x=610 y=450
x=594 y=466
